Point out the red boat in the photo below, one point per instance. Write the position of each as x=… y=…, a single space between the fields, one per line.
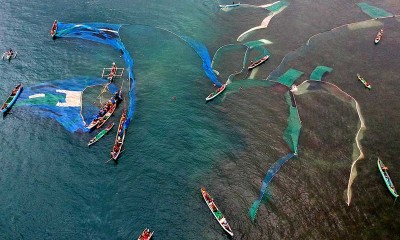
x=255 y=64
x=378 y=36
x=146 y=234
x=54 y=29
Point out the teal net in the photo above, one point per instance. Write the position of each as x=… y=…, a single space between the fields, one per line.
x=289 y=77
x=319 y=72
x=292 y=131
x=373 y=12
x=276 y=7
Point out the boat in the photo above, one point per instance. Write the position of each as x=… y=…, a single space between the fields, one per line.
x=12 y=98
x=216 y=212
x=216 y=93
x=385 y=175
x=105 y=112
x=229 y=5
x=366 y=84
x=378 y=36
x=53 y=30
x=112 y=72
x=119 y=139
x=9 y=55
x=100 y=134
x=146 y=234
x=106 y=116
x=255 y=64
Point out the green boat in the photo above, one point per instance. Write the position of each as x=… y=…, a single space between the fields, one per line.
x=366 y=84
x=100 y=134
x=385 y=175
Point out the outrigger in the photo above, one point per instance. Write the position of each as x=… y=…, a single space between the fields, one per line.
x=53 y=30
x=146 y=234
x=113 y=72
x=366 y=84
x=9 y=54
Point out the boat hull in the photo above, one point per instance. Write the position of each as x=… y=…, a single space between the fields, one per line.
x=222 y=220
x=229 y=5
x=11 y=103
x=386 y=178
x=212 y=96
x=100 y=134
x=258 y=63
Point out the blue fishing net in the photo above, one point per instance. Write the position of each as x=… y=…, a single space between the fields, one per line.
x=202 y=51
x=60 y=100
x=106 y=34
x=268 y=178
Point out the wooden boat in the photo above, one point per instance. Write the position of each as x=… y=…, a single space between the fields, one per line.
x=100 y=134
x=366 y=84
x=106 y=116
x=216 y=93
x=385 y=175
x=105 y=112
x=12 y=98
x=53 y=30
x=255 y=64
x=229 y=5
x=216 y=212
x=119 y=139
x=378 y=36
x=146 y=234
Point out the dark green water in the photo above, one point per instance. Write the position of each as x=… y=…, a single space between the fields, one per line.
x=54 y=187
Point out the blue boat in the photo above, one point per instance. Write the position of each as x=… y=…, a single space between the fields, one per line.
x=12 y=98
x=229 y=5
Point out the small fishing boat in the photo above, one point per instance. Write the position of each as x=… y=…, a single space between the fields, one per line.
x=385 y=175
x=100 y=134
x=9 y=55
x=229 y=5
x=53 y=30
x=106 y=116
x=378 y=36
x=119 y=139
x=105 y=112
x=216 y=212
x=146 y=234
x=216 y=93
x=255 y=64
x=12 y=98
x=366 y=84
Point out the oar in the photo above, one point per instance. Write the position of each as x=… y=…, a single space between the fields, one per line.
x=112 y=158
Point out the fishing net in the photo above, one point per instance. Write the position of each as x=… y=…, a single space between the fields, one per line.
x=291 y=136
x=373 y=12
x=289 y=77
x=278 y=6
x=318 y=72
x=202 y=51
x=292 y=131
x=268 y=178
x=106 y=34
x=61 y=100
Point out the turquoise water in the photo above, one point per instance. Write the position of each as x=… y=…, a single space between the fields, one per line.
x=54 y=187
